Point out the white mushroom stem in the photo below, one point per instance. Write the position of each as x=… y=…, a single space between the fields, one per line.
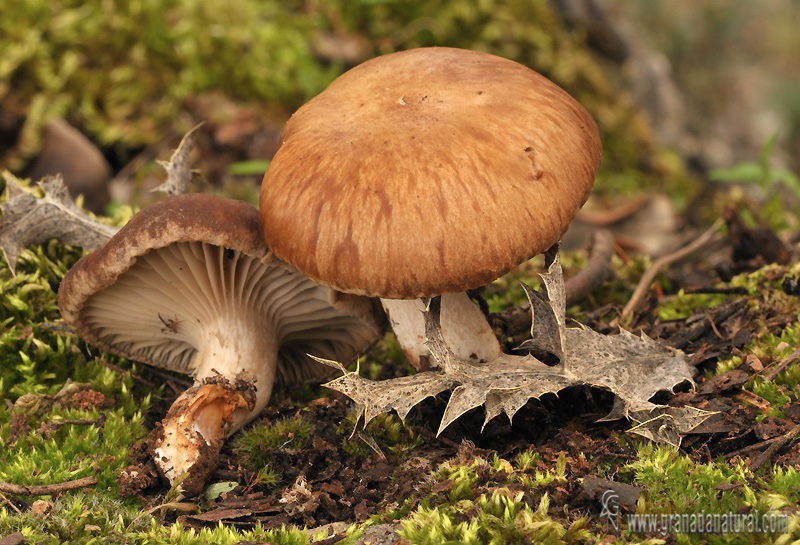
x=464 y=327
x=234 y=373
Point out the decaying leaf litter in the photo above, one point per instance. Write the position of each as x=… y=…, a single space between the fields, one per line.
x=730 y=431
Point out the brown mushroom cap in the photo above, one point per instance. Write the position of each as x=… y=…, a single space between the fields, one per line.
x=427 y=171
x=194 y=258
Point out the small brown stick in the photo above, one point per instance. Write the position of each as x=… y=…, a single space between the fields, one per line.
x=46 y=489
x=53 y=426
x=597 y=270
x=750 y=448
x=11 y=503
x=721 y=313
x=608 y=217
x=725 y=290
x=753 y=399
x=765 y=456
x=663 y=261
x=782 y=365
x=712 y=324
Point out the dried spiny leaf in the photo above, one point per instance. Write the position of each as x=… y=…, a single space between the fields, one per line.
x=632 y=367
x=28 y=220
x=667 y=424
x=400 y=394
x=545 y=327
x=179 y=175
x=554 y=283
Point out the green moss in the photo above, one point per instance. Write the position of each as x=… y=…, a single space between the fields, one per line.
x=537 y=478
x=94 y=518
x=684 y=305
x=496 y=518
x=386 y=432
x=674 y=483
x=122 y=70
x=254 y=445
x=74 y=451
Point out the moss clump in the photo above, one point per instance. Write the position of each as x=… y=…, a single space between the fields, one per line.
x=121 y=70
x=674 y=483
x=498 y=517
x=255 y=444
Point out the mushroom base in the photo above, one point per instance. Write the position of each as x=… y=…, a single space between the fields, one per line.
x=464 y=328
x=189 y=439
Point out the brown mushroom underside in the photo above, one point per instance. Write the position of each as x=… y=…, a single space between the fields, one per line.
x=427 y=171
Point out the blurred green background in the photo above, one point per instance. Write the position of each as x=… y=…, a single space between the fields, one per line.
x=672 y=83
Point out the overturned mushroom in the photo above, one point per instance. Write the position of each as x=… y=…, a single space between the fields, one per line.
x=189 y=285
x=429 y=172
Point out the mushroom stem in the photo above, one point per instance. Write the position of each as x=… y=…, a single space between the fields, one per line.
x=234 y=373
x=464 y=327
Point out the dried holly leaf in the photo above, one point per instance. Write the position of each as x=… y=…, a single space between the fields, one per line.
x=634 y=368
x=179 y=175
x=28 y=220
x=500 y=378
x=471 y=383
x=376 y=397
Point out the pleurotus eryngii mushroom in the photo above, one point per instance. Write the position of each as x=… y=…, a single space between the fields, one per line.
x=428 y=172
x=189 y=285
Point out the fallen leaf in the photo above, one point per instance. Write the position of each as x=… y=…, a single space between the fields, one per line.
x=28 y=220
x=215 y=490
x=179 y=175
x=627 y=495
x=39 y=508
x=633 y=367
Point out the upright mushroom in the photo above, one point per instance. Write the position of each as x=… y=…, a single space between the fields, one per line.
x=189 y=285
x=428 y=172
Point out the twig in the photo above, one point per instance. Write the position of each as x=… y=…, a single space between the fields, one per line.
x=721 y=314
x=663 y=261
x=608 y=217
x=711 y=323
x=783 y=364
x=597 y=270
x=765 y=456
x=11 y=503
x=46 y=489
x=53 y=426
x=726 y=290
x=750 y=448
x=753 y=399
